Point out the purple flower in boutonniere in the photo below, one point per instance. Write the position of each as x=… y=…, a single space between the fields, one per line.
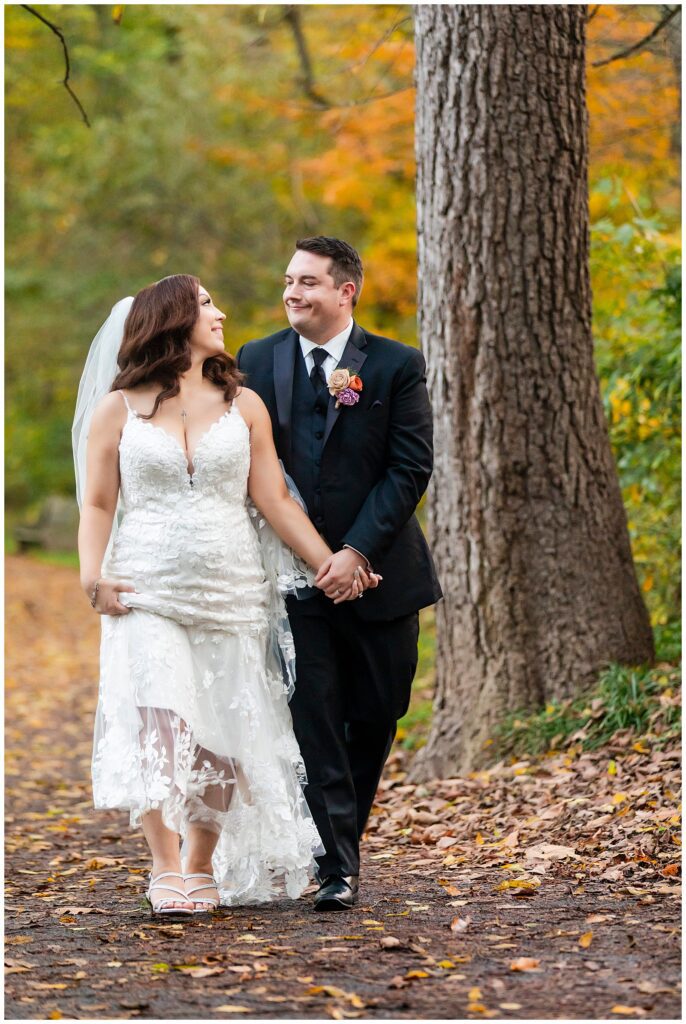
x=345 y=387
x=348 y=397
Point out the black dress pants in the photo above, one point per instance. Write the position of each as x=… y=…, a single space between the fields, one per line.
x=353 y=682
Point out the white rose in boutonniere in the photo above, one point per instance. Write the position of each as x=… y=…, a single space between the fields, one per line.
x=345 y=387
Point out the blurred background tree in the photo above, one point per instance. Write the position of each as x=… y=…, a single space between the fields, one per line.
x=220 y=134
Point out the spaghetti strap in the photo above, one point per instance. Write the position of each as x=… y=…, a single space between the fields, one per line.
x=126 y=402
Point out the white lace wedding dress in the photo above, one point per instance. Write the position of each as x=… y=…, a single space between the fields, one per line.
x=193 y=714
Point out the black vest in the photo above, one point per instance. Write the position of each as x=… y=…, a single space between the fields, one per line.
x=308 y=418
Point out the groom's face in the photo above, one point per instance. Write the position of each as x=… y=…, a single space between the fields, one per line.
x=315 y=307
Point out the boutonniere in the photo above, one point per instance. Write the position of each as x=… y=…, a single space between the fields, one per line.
x=345 y=387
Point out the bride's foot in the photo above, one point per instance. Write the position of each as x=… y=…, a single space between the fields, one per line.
x=166 y=897
x=201 y=890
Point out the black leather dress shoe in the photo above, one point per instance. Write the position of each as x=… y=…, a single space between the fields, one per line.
x=337 y=892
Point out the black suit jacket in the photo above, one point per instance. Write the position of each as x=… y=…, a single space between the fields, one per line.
x=376 y=462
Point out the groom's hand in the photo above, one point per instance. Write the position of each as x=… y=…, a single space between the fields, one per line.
x=337 y=573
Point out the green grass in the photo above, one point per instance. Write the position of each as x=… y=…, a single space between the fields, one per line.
x=623 y=698
x=413 y=729
x=643 y=700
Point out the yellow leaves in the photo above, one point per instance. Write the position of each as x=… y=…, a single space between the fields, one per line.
x=619 y=798
x=96 y=863
x=611 y=767
x=417 y=974
x=447 y=965
x=337 y=993
x=200 y=972
x=628 y=1011
x=229 y=1008
x=586 y=940
x=117 y=13
x=521 y=884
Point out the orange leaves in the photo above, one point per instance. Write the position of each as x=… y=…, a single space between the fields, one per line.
x=525 y=963
x=460 y=924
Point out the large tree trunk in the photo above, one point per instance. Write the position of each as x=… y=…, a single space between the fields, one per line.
x=525 y=511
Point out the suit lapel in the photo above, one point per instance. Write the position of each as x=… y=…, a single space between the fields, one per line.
x=352 y=359
x=284 y=367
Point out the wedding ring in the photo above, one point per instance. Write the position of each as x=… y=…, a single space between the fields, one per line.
x=338 y=590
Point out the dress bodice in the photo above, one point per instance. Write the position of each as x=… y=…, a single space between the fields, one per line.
x=154 y=467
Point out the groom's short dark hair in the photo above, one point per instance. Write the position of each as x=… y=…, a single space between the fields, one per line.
x=346 y=264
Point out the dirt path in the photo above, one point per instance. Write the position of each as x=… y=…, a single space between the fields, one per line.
x=563 y=900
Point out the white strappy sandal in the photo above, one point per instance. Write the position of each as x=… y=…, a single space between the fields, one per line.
x=165 y=905
x=198 y=909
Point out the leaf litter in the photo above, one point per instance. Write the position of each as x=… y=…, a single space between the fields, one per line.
x=548 y=861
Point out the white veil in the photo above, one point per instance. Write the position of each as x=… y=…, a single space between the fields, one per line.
x=96 y=380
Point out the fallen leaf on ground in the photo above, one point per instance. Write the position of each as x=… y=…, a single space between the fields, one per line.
x=524 y=963
x=526 y=884
x=460 y=924
x=550 y=851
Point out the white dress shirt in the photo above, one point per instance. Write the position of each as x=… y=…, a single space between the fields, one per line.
x=334 y=349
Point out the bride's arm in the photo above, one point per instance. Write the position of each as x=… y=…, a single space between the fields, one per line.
x=267 y=488
x=100 y=502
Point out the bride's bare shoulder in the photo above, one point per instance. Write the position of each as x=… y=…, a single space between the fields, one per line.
x=109 y=415
x=112 y=406
x=249 y=403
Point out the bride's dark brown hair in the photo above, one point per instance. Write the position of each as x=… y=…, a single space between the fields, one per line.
x=156 y=345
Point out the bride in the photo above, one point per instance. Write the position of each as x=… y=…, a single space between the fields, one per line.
x=193 y=733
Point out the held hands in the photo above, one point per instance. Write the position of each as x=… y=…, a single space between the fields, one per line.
x=106 y=598
x=342 y=577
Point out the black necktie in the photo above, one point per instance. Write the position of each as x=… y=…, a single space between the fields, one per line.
x=317 y=375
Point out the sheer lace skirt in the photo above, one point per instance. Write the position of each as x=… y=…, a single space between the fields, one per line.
x=194 y=722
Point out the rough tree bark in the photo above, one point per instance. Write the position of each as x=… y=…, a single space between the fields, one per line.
x=525 y=511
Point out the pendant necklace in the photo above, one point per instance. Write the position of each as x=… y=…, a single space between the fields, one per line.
x=184 y=414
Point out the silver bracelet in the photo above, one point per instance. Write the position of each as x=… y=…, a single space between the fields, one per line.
x=94 y=595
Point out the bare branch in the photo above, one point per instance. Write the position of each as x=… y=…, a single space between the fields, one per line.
x=593 y=13
x=631 y=50
x=67 y=66
x=292 y=16
x=363 y=61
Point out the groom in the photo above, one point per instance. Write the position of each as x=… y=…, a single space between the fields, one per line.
x=361 y=460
